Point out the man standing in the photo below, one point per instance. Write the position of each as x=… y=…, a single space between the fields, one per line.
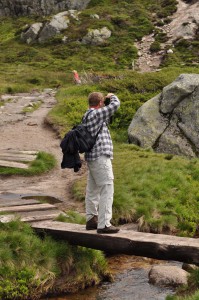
x=100 y=189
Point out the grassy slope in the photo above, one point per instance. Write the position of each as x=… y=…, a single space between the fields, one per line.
x=23 y=67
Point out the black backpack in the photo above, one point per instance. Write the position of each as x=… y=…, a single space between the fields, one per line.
x=79 y=138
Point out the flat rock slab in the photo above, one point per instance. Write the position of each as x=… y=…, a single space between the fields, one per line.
x=12 y=164
x=34 y=207
x=29 y=217
x=10 y=151
x=159 y=246
x=6 y=203
x=16 y=158
x=20 y=158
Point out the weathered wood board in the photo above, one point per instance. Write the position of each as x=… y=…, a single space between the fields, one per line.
x=159 y=246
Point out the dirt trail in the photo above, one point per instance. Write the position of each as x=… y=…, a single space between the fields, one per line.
x=148 y=61
x=28 y=131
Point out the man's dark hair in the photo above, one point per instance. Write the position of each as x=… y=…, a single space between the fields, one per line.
x=95 y=98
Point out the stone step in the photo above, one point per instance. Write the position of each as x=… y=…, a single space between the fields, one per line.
x=17 y=158
x=36 y=216
x=12 y=151
x=11 y=164
x=27 y=208
x=17 y=202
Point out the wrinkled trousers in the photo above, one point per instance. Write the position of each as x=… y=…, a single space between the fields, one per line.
x=100 y=190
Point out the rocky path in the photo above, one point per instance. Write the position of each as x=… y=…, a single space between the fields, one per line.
x=148 y=61
x=28 y=131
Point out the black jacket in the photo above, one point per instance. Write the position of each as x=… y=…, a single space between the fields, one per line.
x=71 y=158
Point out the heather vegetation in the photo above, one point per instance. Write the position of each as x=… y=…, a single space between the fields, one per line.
x=158 y=191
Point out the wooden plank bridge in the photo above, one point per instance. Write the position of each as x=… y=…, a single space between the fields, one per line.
x=41 y=217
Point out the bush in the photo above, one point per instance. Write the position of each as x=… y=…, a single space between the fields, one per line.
x=155 y=46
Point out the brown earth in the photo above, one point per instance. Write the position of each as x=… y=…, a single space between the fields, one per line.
x=29 y=131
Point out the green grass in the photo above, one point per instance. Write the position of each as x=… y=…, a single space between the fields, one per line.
x=132 y=88
x=44 y=162
x=195 y=296
x=31 y=267
x=72 y=217
x=190 y=291
x=35 y=106
x=161 y=192
x=24 y=67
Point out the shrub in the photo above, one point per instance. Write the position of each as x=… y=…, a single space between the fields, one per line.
x=155 y=46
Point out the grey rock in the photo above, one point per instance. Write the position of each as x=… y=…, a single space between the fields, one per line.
x=32 y=33
x=95 y=16
x=96 y=36
x=58 y=23
x=43 y=31
x=38 y=7
x=169 y=123
x=168 y=276
x=147 y=124
x=175 y=92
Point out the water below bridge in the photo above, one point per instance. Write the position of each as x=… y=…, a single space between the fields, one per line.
x=131 y=282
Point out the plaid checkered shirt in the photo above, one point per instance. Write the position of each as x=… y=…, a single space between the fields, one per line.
x=97 y=122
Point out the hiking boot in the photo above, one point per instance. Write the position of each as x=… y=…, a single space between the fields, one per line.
x=92 y=223
x=110 y=229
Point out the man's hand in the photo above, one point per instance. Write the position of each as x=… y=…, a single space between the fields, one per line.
x=109 y=95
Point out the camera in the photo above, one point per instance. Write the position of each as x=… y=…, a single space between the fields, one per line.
x=107 y=101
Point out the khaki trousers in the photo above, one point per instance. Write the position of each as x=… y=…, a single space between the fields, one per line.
x=99 y=191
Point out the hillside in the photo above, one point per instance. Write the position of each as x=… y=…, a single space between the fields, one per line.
x=130 y=23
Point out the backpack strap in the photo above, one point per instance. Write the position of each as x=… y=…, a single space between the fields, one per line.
x=85 y=119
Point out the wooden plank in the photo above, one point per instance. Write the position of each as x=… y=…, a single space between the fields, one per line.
x=20 y=158
x=42 y=206
x=10 y=164
x=17 y=202
x=156 y=246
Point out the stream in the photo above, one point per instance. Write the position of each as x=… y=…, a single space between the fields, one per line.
x=130 y=282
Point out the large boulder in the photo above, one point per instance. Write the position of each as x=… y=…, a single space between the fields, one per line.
x=169 y=123
x=42 y=32
x=168 y=276
x=38 y=7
